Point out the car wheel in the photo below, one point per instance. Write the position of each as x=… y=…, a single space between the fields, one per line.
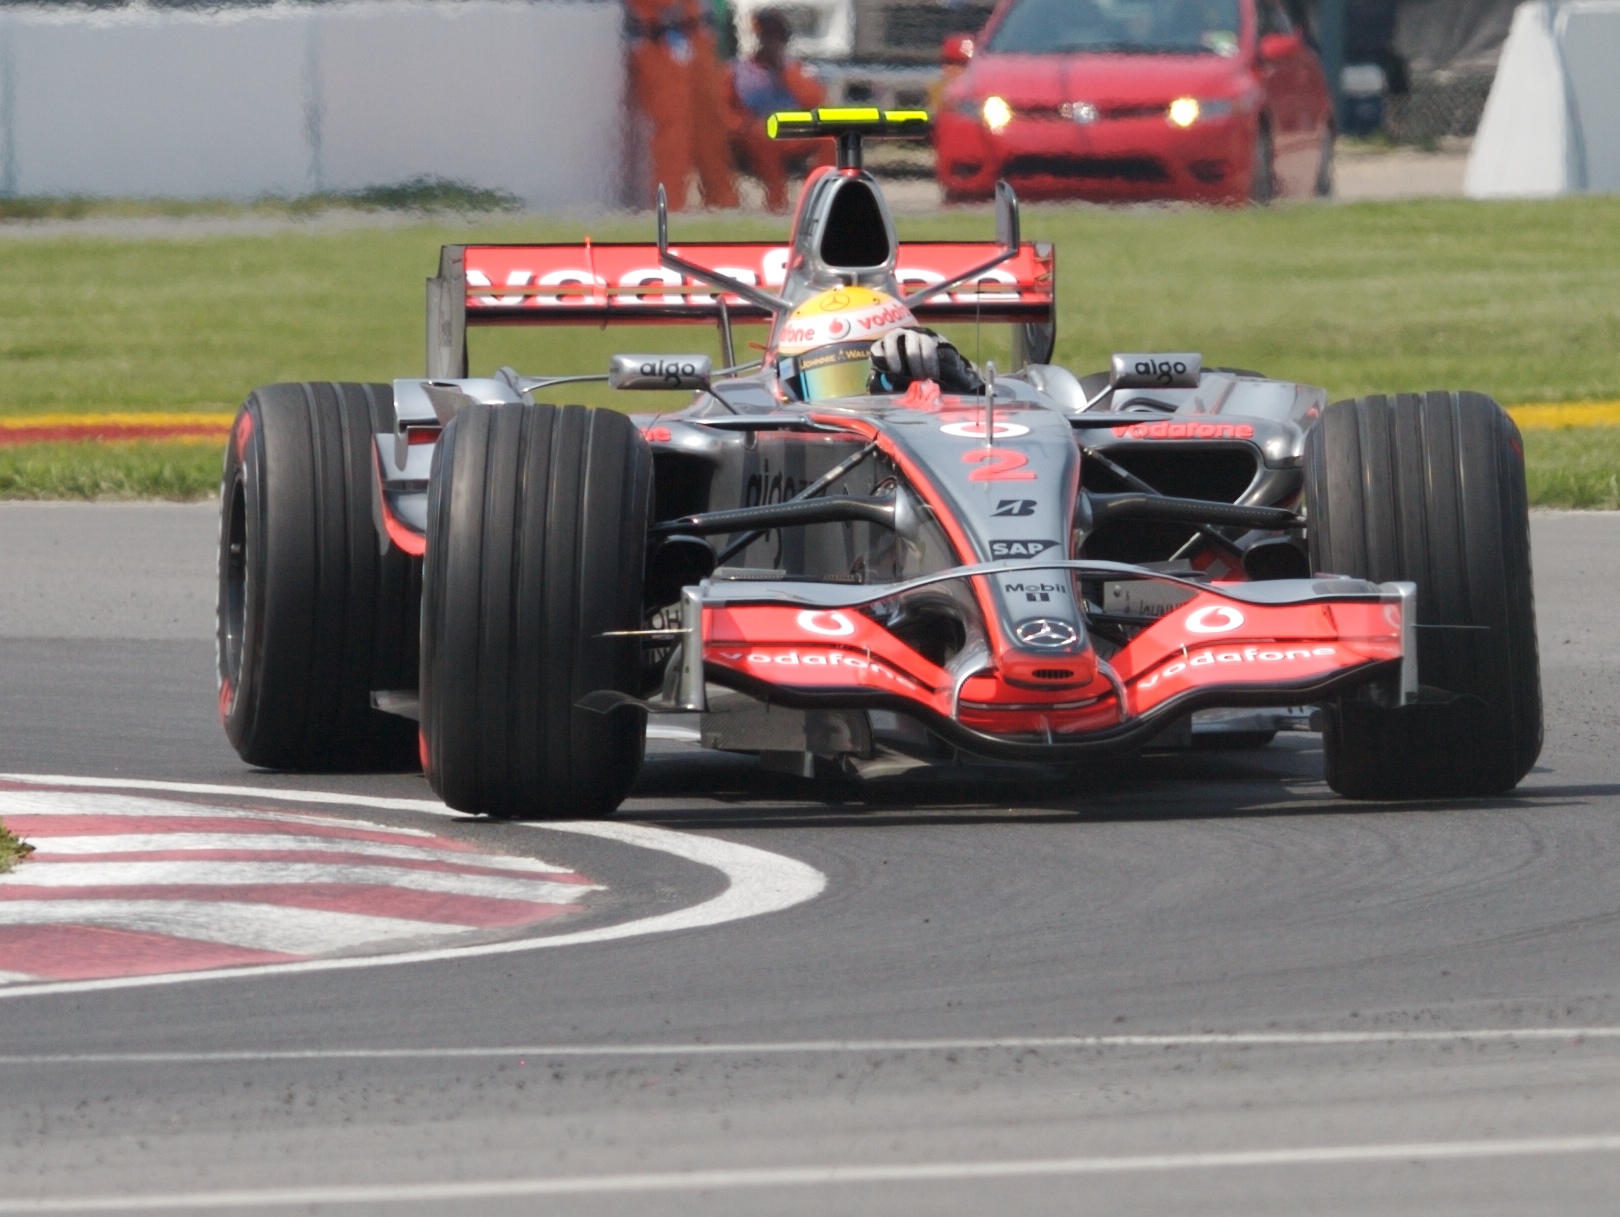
x=1430 y=488
x=537 y=535
x=1263 y=174
x=1324 y=166
x=310 y=616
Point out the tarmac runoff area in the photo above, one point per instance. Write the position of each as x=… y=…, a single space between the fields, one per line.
x=1196 y=985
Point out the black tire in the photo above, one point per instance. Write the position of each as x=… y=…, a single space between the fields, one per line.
x=537 y=535
x=312 y=613
x=1263 y=175
x=1430 y=488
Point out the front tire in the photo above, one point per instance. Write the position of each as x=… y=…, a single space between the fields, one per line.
x=311 y=617
x=537 y=533
x=1430 y=488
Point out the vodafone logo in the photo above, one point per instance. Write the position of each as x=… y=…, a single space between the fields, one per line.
x=828 y=625
x=837 y=327
x=1216 y=619
x=978 y=430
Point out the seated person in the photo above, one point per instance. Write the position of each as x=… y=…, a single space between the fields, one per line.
x=852 y=341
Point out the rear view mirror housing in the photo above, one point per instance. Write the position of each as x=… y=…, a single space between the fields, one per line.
x=1160 y=370
x=660 y=372
x=956 y=51
x=1278 y=46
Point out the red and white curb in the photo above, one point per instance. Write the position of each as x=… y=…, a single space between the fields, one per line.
x=122 y=885
x=129 y=888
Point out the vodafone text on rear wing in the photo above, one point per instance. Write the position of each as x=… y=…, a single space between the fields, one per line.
x=624 y=284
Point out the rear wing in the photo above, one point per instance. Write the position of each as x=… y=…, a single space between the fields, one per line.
x=624 y=284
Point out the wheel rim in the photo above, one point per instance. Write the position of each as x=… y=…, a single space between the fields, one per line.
x=233 y=586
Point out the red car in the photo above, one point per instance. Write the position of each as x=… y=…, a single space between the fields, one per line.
x=1208 y=101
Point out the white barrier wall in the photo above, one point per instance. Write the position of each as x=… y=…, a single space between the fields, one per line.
x=516 y=96
x=1552 y=123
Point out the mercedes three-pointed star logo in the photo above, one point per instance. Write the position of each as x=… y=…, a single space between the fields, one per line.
x=1044 y=632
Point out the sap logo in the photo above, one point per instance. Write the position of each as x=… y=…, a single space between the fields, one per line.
x=1015 y=507
x=1034 y=591
x=1019 y=549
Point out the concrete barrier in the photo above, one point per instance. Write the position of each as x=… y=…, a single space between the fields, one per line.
x=1552 y=123
x=516 y=96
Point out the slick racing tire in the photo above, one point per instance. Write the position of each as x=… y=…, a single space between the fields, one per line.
x=537 y=536
x=1430 y=488
x=311 y=617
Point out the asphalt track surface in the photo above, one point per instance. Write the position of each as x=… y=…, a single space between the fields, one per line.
x=1193 y=985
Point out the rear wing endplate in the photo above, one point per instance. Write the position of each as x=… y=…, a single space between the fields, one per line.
x=624 y=284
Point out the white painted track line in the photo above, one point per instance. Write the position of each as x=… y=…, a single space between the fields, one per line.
x=285 y=929
x=241 y=874
x=236 y=842
x=27 y=802
x=811 y=1176
x=1212 y=1040
x=758 y=883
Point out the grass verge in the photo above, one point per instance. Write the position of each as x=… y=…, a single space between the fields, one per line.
x=12 y=851
x=1577 y=467
x=1517 y=299
x=136 y=470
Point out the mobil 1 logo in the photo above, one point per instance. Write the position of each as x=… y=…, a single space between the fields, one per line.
x=1034 y=591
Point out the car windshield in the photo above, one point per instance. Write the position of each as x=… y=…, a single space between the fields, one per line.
x=1052 y=27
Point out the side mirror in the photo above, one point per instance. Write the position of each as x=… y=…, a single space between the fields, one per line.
x=1156 y=371
x=1279 y=46
x=660 y=372
x=956 y=51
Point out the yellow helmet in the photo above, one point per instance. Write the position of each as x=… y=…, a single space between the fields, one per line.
x=824 y=348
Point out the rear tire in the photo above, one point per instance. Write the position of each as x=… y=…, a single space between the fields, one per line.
x=1430 y=488
x=537 y=533
x=311 y=617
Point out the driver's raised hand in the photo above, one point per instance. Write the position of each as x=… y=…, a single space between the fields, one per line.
x=907 y=355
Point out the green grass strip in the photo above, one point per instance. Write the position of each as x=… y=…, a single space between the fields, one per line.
x=1520 y=300
x=1575 y=468
x=110 y=471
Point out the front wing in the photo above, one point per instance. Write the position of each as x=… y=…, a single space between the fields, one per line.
x=1273 y=643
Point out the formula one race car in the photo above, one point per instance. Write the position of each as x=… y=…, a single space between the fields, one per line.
x=863 y=554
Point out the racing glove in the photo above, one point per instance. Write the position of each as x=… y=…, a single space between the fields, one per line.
x=902 y=356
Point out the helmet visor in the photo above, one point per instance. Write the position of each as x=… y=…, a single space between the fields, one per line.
x=840 y=370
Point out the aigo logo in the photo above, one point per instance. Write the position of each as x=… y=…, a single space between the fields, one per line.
x=1213 y=619
x=1162 y=370
x=828 y=625
x=980 y=431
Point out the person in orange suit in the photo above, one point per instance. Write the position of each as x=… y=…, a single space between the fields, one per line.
x=761 y=86
x=678 y=83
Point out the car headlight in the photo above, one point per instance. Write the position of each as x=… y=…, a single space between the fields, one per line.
x=997 y=113
x=1185 y=111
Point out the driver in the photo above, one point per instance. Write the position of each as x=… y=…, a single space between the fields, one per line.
x=853 y=340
